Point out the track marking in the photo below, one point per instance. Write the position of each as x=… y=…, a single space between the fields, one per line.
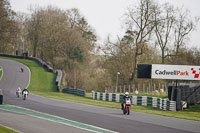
x=53 y=118
x=29 y=76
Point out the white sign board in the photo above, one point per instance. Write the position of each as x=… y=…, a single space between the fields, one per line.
x=182 y=72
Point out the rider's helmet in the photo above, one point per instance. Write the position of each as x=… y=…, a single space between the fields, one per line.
x=126 y=93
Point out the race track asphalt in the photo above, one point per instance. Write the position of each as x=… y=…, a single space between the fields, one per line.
x=107 y=118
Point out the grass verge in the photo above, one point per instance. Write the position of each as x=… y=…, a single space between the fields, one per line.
x=43 y=85
x=0 y=72
x=6 y=130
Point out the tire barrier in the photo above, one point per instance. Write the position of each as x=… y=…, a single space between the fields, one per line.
x=1 y=97
x=77 y=92
x=185 y=95
x=58 y=79
x=159 y=103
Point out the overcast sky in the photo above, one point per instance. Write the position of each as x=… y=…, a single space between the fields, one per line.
x=105 y=16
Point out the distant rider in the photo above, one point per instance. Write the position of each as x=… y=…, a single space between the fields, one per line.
x=22 y=70
x=124 y=99
x=18 y=90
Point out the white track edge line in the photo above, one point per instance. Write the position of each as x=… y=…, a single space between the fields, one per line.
x=29 y=77
x=63 y=119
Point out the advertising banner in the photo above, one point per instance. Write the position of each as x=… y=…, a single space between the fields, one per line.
x=182 y=72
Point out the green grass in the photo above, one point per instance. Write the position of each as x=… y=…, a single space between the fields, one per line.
x=42 y=83
x=6 y=130
x=0 y=73
x=41 y=80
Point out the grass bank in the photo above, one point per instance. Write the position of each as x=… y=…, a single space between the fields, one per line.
x=0 y=72
x=42 y=83
x=6 y=130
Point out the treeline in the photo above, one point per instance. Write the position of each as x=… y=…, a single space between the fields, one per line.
x=155 y=33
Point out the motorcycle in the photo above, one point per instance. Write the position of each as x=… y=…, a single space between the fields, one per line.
x=25 y=94
x=127 y=106
x=18 y=92
x=22 y=70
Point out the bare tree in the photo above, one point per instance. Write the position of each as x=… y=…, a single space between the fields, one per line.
x=140 y=24
x=164 y=22
x=184 y=25
x=172 y=29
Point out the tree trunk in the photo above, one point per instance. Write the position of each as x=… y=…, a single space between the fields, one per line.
x=163 y=56
x=134 y=67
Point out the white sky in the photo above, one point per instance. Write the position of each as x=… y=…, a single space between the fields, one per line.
x=105 y=16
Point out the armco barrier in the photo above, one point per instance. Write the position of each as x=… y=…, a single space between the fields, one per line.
x=77 y=92
x=160 y=103
x=38 y=60
x=42 y=63
x=58 y=79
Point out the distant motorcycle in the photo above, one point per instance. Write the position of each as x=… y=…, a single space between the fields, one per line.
x=18 y=92
x=22 y=70
x=25 y=95
x=127 y=106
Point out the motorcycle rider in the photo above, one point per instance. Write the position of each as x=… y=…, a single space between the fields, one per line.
x=18 y=91
x=22 y=69
x=24 y=91
x=126 y=95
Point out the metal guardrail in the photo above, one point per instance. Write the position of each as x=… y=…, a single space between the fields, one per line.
x=38 y=60
x=58 y=79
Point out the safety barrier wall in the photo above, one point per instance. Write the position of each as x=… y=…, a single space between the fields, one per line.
x=58 y=79
x=42 y=63
x=160 y=103
x=38 y=60
x=77 y=92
